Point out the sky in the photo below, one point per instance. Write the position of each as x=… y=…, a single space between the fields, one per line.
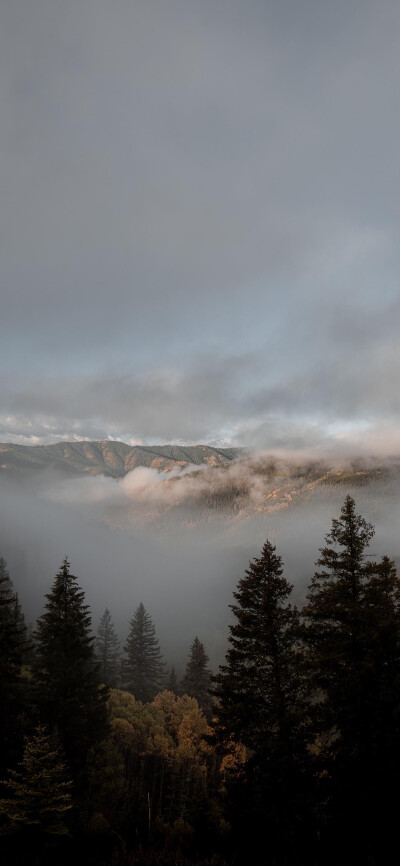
x=200 y=222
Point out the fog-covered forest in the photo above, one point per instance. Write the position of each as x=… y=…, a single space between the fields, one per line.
x=179 y=540
x=199 y=432
x=286 y=753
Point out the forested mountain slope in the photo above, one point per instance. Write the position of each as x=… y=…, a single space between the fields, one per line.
x=106 y=457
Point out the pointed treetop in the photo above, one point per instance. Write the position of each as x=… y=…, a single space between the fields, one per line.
x=143 y=666
x=172 y=682
x=350 y=530
x=342 y=562
x=66 y=669
x=263 y=582
x=260 y=688
x=6 y=586
x=197 y=680
x=107 y=649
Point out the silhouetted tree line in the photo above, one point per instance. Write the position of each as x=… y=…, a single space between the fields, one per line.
x=291 y=757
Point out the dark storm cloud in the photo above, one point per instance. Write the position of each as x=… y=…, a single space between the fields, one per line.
x=189 y=177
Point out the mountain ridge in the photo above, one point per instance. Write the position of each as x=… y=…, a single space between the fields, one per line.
x=108 y=457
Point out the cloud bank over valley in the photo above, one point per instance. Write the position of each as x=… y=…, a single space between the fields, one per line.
x=200 y=223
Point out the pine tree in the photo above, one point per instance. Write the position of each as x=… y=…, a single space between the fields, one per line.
x=143 y=668
x=69 y=693
x=197 y=680
x=12 y=624
x=335 y=608
x=21 y=630
x=172 y=681
x=108 y=651
x=12 y=645
x=261 y=695
x=352 y=630
x=260 y=687
x=40 y=790
x=381 y=661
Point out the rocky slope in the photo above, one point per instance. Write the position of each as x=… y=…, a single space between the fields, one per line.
x=110 y=458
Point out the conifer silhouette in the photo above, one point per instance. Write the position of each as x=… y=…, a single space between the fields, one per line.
x=197 y=680
x=107 y=649
x=68 y=684
x=143 y=668
x=40 y=789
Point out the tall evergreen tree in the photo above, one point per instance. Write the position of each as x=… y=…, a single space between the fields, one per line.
x=143 y=667
x=12 y=644
x=69 y=694
x=343 y=600
x=39 y=790
x=172 y=681
x=12 y=620
x=352 y=630
x=260 y=688
x=21 y=630
x=107 y=648
x=335 y=608
x=197 y=680
x=261 y=696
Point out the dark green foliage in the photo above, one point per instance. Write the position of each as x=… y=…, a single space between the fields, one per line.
x=262 y=702
x=12 y=626
x=108 y=651
x=339 y=610
x=352 y=633
x=40 y=790
x=261 y=687
x=197 y=680
x=18 y=620
x=12 y=645
x=69 y=694
x=143 y=669
x=22 y=632
x=105 y=802
x=304 y=762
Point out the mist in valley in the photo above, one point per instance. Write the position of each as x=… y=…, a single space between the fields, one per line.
x=180 y=541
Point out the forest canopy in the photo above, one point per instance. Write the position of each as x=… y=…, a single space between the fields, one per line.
x=107 y=751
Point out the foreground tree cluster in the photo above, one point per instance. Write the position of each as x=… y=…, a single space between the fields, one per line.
x=291 y=757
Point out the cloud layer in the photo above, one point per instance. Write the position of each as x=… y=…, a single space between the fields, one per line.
x=344 y=400
x=200 y=221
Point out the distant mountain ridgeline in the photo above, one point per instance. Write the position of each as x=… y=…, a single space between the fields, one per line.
x=114 y=459
x=229 y=481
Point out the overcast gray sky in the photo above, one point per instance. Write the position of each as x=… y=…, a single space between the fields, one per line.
x=200 y=213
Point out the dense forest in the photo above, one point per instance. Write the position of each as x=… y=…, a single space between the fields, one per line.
x=288 y=755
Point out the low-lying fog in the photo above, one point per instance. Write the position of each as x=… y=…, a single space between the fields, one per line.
x=179 y=543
